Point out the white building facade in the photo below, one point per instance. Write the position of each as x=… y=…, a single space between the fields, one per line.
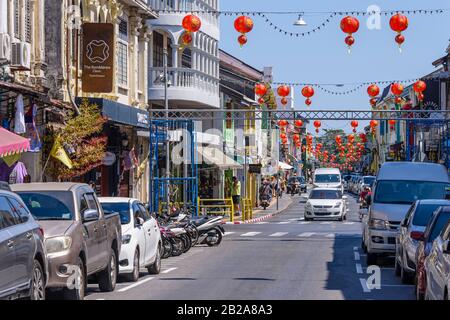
x=193 y=70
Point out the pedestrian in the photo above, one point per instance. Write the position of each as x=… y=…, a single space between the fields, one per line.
x=236 y=195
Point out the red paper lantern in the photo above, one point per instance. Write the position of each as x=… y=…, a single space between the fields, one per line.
x=308 y=92
x=261 y=101
x=186 y=38
x=392 y=124
x=296 y=137
x=283 y=91
x=350 y=138
x=284 y=101
x=354 y=125
x=338 y=139
x=420 y=86
x=373 y=102
x=399 y=23
x=298 y=123
x=349 y=25
x=191 y=23
x=308 y=102
x=373 y=90
x=283 y=136
x=260 y=89
x=373 y=123
x=283 y=123
x=317 y=125
x=243 y=24
x=398 y=100
x=242 y=39
x=397 y=89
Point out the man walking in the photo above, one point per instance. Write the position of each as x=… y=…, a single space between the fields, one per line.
x=236 y=195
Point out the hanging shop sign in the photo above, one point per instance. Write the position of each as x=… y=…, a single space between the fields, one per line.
x=98 y=57
x=255 y=168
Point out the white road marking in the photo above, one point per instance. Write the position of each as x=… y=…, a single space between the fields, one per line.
x=305 y=222
x=262 y=222
x=348 y=223
x=326 y=222
x=169 y=270
x=250 y=234
x=100 y=299
x=364 y=285
x=278 y=234
x=355 y=248
x=228 y=233
x=306 y=234
x=359 y=269
x=135 y=285
x=283 y=222
x=330 y=235
x=296 y=219
x=357 y=256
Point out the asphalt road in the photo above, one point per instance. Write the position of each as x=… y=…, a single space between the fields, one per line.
x=283 y=257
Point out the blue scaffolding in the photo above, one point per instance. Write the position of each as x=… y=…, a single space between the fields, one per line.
x=183 y=189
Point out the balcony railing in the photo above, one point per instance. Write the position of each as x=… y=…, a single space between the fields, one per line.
x=184 y=78
x=186 y=5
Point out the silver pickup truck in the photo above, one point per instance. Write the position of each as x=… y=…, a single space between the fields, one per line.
x=79 y=239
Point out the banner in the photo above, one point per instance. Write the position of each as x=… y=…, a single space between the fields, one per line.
x=98 y=57
x=59 y=153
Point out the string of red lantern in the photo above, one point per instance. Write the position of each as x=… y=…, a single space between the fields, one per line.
x=349 y=25
x=308 y=93
x=191 y=24
x=399 y=23
x=243 y=25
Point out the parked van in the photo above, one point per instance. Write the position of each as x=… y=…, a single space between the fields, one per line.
x=328 y=178
x=397 y=186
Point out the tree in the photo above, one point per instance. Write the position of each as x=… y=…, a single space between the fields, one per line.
x=83 y=141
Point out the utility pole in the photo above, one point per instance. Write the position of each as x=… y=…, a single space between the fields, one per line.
x=166 y=106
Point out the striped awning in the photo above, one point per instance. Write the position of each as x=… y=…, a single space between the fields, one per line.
x=11 y=143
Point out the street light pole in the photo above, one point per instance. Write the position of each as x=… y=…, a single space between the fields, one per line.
x=166 y=107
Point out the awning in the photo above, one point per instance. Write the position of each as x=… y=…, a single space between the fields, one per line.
x=284 y=166
x=11 y=143
x=216 y=157
x=119 y=112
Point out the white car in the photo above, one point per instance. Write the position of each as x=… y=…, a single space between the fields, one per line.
x=141 y=237
x=326 y=203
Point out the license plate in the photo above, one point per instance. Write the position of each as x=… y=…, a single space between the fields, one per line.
x=321 y=210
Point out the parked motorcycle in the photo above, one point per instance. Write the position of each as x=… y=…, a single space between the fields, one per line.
x=210 y=230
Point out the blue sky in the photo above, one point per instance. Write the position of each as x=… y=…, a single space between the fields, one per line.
x=323 y=58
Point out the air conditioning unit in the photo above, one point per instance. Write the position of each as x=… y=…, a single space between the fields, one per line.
x=5 y=47
x=21 y=56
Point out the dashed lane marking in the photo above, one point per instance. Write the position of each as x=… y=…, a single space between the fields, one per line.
x=284 y=222
x=262 y=222
x=348 y=223
x=305 y=222
x=306 y=234
x=326 y=222
x=228 y=233
x=169 y=270
x=278 y=234
x=134 y=285
x=250 y=234
x=357 y=256
x=330 y=235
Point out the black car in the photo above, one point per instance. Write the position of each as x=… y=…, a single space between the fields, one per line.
x=300 y=180
x=23 y=263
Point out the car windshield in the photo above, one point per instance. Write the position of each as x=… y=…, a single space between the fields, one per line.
x=326 y=178
x=406 y=192
x=325 y=194
x=368 y=180
x=423 y=214
x=122 y=208
x=49 y=205
x=440 y=223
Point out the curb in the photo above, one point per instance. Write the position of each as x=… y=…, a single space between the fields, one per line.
x=270 y=215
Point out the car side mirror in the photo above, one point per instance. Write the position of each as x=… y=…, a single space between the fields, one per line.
x=139 y=222
x=90 y=215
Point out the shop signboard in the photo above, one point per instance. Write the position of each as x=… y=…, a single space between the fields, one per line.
x=98 y=57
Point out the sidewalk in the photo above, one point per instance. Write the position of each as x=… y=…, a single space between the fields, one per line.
x=261 y=214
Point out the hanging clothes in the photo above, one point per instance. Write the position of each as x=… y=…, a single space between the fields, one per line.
x=18 y=174
x=32 y=133
x=19 y=120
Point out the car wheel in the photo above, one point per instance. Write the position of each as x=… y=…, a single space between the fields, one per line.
x=79 y=286
x=155 y=268
x=371 y=258
x=107 y=278
x=37 y=291
x=134 y=276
